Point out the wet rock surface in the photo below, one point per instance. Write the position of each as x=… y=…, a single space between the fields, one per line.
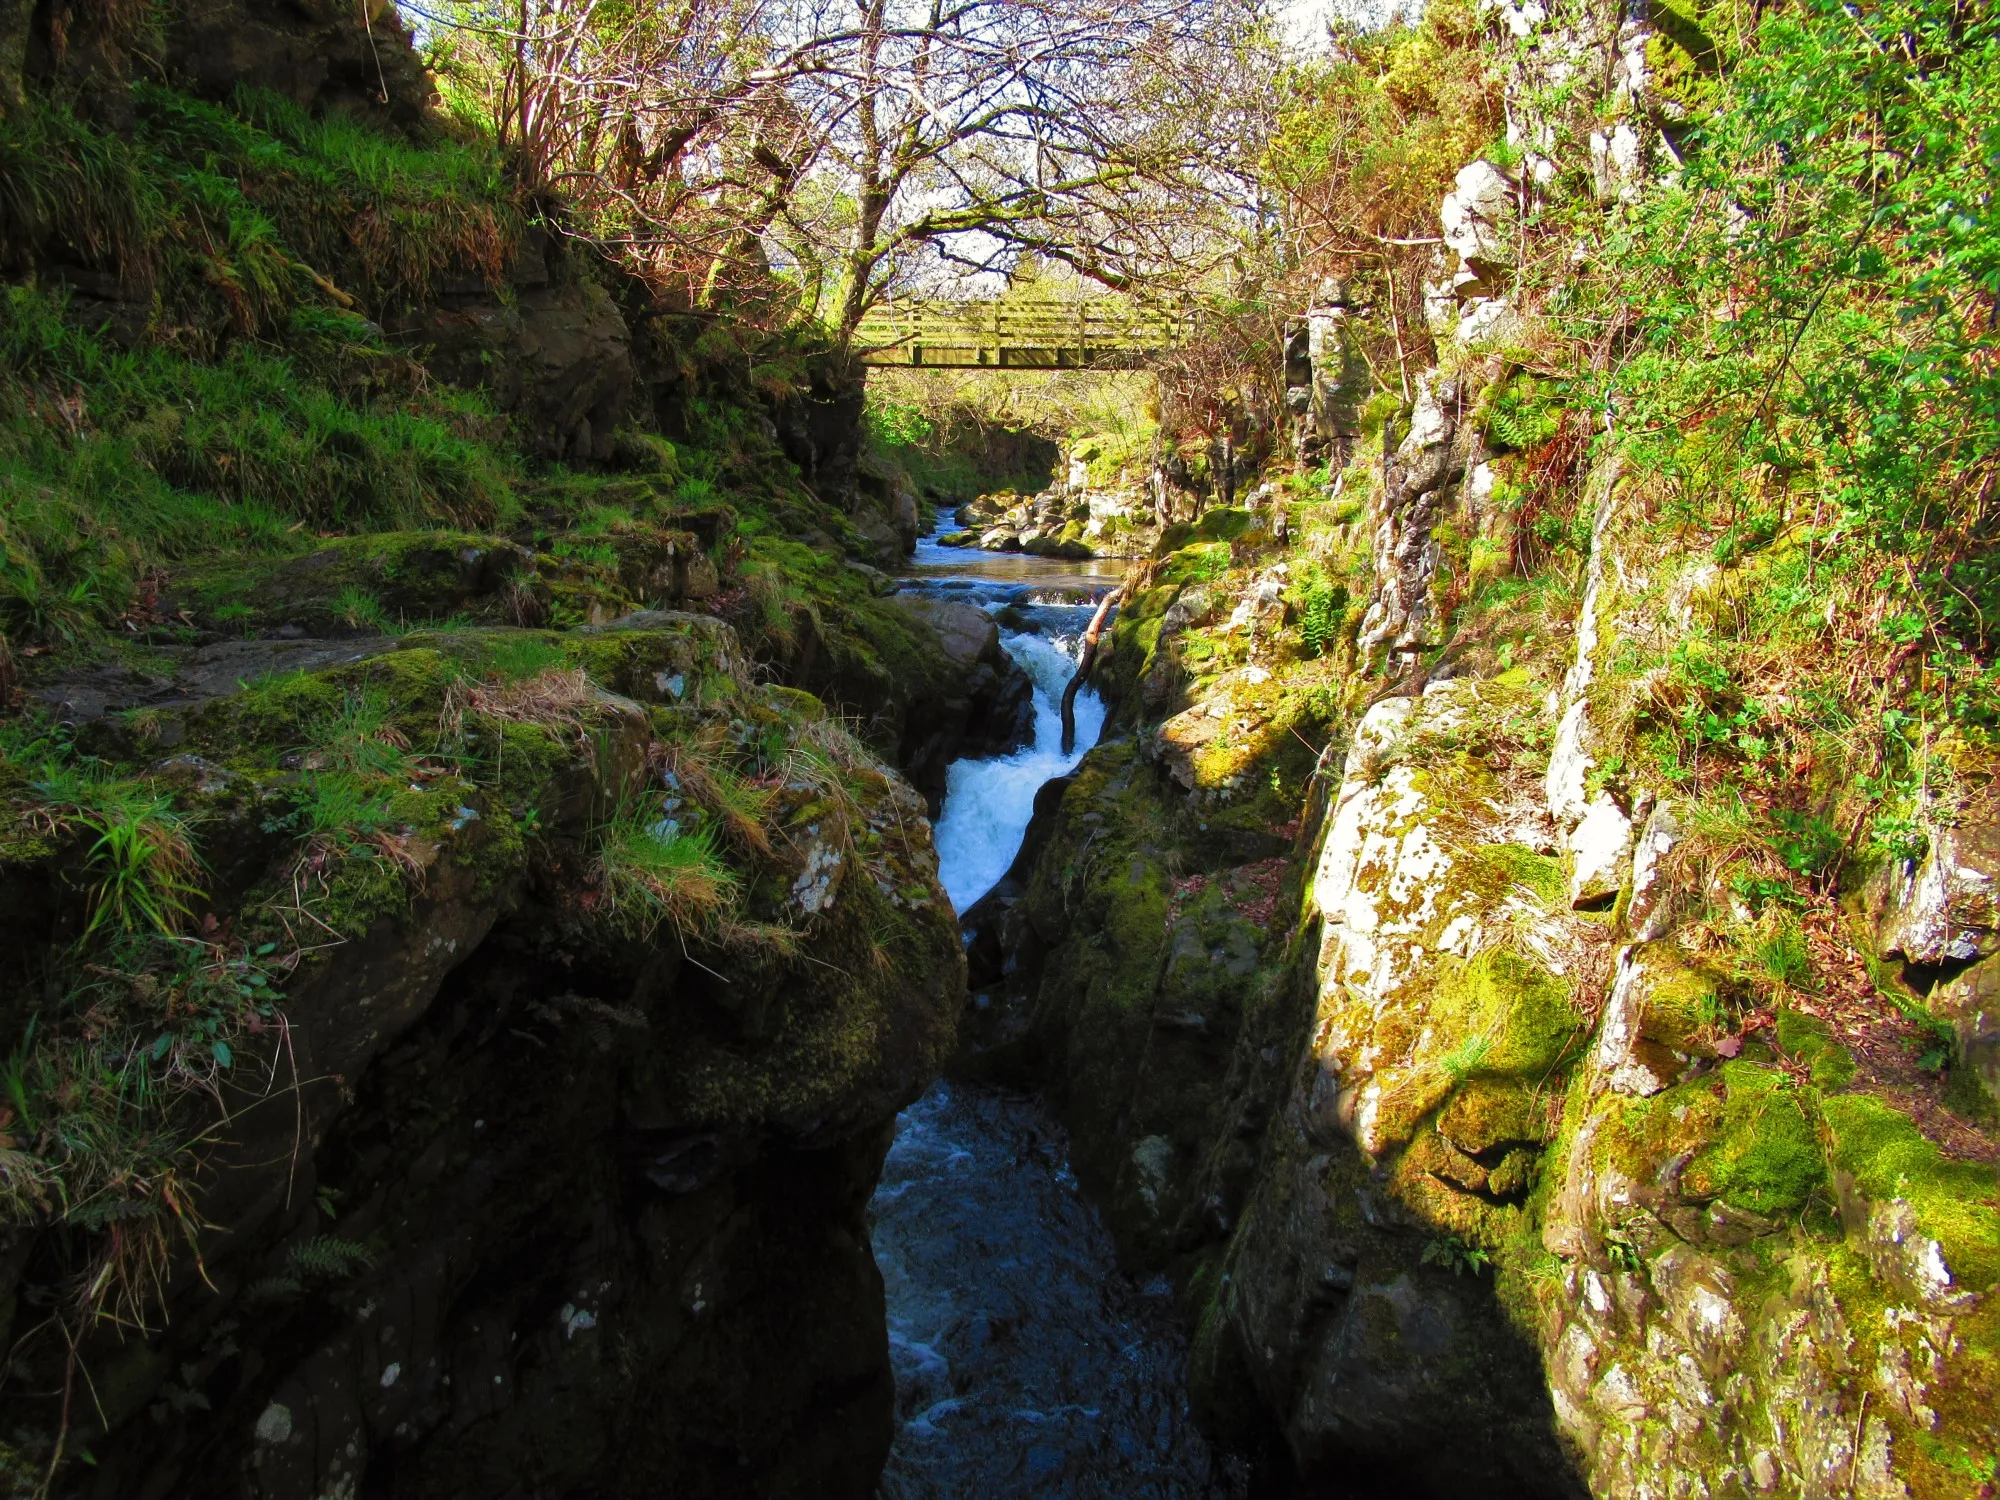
x=987 y=708
x=1069 y=519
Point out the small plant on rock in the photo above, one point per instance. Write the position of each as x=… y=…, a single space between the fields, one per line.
x=142 y=858
x=1321 y=605
x=1456 y=1256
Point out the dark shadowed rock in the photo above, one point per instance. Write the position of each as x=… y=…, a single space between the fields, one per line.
x=557 y=357
x=986 y=708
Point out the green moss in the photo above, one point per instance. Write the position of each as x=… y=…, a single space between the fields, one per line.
x=1810 y=1040
x=269 y=712
x=1765 y=1155
x=1486 y=1112
x=1504 y=1017
x=356 y=891
x=1223 y=524
x=1518 y=865
x=1682 y=1002
x=1956 y=1202
x=384 y=580
x=1198 y=563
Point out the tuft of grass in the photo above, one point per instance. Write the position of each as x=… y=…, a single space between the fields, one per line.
x=359 y=610
x=141 y=857
x=97 y=1102
x=360 y=739
x=651 y=870
x=1778 y=948
x=64 y=181
x=741 y=807
x=555 y=696
x=338 y=813
x=1466 y=1059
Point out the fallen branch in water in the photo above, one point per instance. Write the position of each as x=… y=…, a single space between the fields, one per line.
x=1084 y=663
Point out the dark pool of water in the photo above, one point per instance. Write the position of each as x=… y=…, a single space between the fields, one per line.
x=1026 y=1364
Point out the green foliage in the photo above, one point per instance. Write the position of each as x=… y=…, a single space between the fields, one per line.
x=165 y=457
x=1524 y=413
x=65 y=181
x=1322 y=603
x=1778 y=947
x=1807 y=843
x=1455 y=1255
x=897 y=424
x=958 y=437
x=323 y=1261
x=1373 y=135
x=101 y=1090
x=361 y=739
x=652 y=868
x=327 y=1257
x=240 y=221
x=1838 y=206
x=141 y=852
x=1900 y=834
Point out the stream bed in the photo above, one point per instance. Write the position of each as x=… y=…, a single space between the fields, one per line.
x=1026 y=1364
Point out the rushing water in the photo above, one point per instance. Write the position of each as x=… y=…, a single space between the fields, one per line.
x=1026 y=1364
x=987 y=802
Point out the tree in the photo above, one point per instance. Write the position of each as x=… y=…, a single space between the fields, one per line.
x=957 y=136
x=873 y=143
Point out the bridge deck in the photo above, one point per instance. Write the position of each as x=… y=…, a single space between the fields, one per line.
x=1099 y=333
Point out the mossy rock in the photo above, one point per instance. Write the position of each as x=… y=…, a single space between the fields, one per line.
x=1503 y=1016
x=1489 y=1112
x=1224 y=523
x=1683 y=1002
x=1765 y=1155
x=1810 y=1040
x=1885 y=1156
x=1058 y=546
x=1749 y=1136
x=356 y=584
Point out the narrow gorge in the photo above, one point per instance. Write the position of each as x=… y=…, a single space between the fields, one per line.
x=1195 y=751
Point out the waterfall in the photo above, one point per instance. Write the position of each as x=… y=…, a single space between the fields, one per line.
x=987 y=803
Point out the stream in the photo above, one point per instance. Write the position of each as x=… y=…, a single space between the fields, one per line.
x=1026 y=1364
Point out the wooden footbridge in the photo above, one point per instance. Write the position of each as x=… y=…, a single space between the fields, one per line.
x=1094 y=333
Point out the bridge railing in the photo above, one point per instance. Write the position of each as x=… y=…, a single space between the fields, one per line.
x=1014 y=335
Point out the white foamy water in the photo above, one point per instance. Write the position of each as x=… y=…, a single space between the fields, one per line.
x=987 y=803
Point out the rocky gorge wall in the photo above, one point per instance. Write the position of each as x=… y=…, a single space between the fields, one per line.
x=1480 y=1161
x=1514 y=1119
x=515 y=1187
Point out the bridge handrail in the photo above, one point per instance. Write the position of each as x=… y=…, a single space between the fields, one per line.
x=1094 y=321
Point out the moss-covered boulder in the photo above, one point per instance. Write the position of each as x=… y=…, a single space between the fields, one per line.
x=475 y=1077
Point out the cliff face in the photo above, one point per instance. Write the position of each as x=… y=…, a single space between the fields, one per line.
x=1473 y=1177
x=1468 y=974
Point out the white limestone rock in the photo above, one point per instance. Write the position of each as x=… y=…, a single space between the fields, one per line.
x=1475 y=214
